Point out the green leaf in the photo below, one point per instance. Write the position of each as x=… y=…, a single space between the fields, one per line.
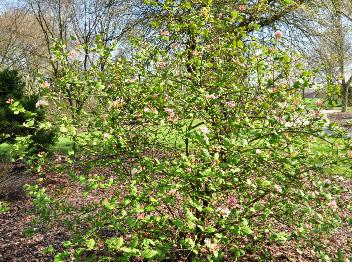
x=149 y=208
x=29 y=123
x=67 y=244
x=208 y=210
x=178 y=223
x=149 y=253
x=196 y=204
x=189 y=216
x=60 y=257
x=131 y=222
x=63 y=129
x=90 y=243
x=71 y=152
x=134 y=242
x=130 y=250
x=246 y=230
x=114 y=243
x=210 y=230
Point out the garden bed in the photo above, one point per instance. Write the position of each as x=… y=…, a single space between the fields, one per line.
x=21 y=239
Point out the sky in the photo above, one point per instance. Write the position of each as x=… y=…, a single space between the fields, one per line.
x=7 y=3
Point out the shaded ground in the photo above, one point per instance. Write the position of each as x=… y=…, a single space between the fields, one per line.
x=17 y=242
x=12 y=181
x=20 y=240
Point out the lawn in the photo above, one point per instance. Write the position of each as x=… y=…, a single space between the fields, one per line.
x=311 y=103
x=8 y=151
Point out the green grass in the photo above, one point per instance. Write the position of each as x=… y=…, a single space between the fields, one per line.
x=63 y=145
x=6 y=152
x=311 y=103
x=349 y=109
x=171 y=138
x=342 y=168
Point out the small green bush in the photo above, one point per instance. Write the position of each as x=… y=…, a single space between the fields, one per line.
x=15 y=123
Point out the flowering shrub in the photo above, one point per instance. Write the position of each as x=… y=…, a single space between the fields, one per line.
x=212 y=149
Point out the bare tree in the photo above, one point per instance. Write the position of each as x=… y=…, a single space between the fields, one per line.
x=85 y=19
x=21 y=43
x=322 y=31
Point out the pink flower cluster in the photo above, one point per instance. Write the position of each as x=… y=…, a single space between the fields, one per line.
x=333 y=205
x=349 y=153
x=117 y=103
x=242 y=8
x=160 y=65
x=172 y=192
x=319 y=103
x=211 y=96
x=164 y=33
x=232 y=202
x=175 y=45
x=72 y=54
x=77 y=44
x=278 y=35
x=225 y=211
x=170 y=113
x=41 y=103
x=204 y=130
x=46 y=84
x=9 y=100
x=278 y=189
x=212 y=247
x=230 y=104
x=195 y=53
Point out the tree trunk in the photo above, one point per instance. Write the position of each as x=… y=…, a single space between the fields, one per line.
x=344 y=96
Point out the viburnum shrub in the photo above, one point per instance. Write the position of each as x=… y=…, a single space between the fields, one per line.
x=214 y=154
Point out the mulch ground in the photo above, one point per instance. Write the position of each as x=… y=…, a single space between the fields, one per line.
x=15 y=244
x=18 y=243
x=18 y=240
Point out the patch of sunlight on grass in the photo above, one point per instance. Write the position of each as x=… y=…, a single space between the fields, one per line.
x=6 y=152
x=63 y=145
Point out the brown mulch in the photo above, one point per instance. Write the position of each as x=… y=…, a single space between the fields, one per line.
x=12 y=180
x=16 y=241
x=16 y=244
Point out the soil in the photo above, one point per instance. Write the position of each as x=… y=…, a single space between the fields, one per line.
x=12 y=181
x=19 y=241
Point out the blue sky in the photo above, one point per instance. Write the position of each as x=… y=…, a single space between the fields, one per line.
x=7 y=3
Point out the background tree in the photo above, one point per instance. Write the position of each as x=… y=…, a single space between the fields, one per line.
x=19 y=122
x=22 y=44
x=321 y=31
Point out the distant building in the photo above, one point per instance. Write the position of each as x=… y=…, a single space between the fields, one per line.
x=313 y=93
